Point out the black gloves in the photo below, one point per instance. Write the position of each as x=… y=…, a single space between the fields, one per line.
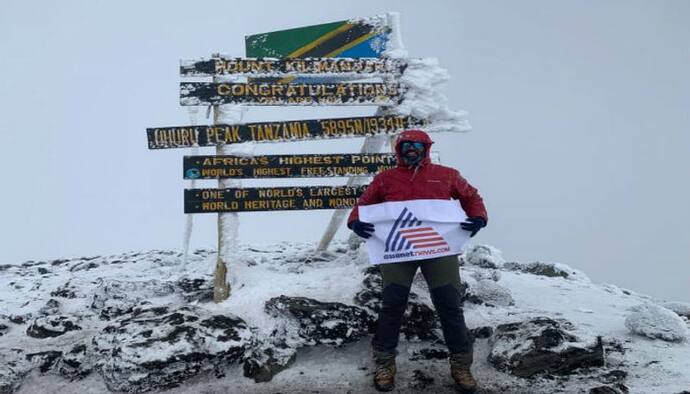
x=363 y=229
x=473 y=225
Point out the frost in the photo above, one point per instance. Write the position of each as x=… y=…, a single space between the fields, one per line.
x=656 y=322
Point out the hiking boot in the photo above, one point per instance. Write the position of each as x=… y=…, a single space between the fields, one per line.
x=384 y=377
x=464 y=381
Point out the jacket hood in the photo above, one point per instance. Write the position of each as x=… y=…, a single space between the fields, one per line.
x=414 y=136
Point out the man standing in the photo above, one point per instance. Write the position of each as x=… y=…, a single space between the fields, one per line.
x=416 y=178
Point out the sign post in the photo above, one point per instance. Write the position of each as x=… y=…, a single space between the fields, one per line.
x=294 y=67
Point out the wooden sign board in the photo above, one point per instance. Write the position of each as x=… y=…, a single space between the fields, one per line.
x=362 y=67
x=295 y=130
x=287 y=166
x=271 y=198
x=211 y=93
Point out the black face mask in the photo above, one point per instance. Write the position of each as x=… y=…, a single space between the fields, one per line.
x=412 y=152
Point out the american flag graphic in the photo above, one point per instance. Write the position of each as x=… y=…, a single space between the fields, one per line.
x=408 y=232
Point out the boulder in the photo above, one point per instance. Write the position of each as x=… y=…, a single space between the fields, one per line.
x=76 y=363
x=483 y=256
x=542 y=345
x=52 y=326
x=551 y=270
x=490 y=293
x=115 y=298
x=158 y=348
x=330 y=323
x=267 y=359
x=680 y=308
x=656 y=322
x=196 y=289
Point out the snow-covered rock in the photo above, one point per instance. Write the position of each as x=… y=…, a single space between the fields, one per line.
x=483 y=256
x=543 y=345
x=657 y=322
x=553 y=270
x=330 y=323
x=680 y=308
x=160 y=347
x=490 y=293
x=52 y=326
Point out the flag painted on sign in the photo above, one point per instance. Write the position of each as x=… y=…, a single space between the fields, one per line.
x=414 y=230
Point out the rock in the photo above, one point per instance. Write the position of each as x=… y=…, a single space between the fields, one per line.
x=680 y=308
x=196 y=289
x=484 y=256
x=19 y=319
x=491 y=274
x=58 y=262
x=482 y=332
x=370 y=295
x=158 y=348
x=605 y=390
x=656 y=322
x=488 y=292
x=76 y=363
x=544 y=269
x=331 y=323
x=65 y=291
x=266 y=360
x=542 y=345
x=420 y=322
x=44 y=360
x=3 y=329
x=114 y=298
x=52 y=307
x=42 y=271
x=52 y=326
x=13 y=368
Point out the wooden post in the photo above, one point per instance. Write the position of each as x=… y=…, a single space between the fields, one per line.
x=227 y=222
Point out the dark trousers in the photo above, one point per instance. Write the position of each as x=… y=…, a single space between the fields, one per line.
x=442 y=275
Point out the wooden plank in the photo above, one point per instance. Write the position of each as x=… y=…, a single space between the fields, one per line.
x=271 y=198
x=294 y=130
x=287 y=166
x=210 y=93
x=362 y=67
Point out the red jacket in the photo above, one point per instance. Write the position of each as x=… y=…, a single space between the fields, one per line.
x=426 y=181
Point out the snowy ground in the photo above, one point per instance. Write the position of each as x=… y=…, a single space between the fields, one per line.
x=261 y=272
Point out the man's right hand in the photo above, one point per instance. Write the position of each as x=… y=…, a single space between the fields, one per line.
x=363 y=229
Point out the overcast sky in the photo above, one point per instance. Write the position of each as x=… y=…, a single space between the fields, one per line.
x=580 y=109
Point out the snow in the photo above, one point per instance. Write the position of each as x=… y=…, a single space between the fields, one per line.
x=655 y=321
x=265 y=271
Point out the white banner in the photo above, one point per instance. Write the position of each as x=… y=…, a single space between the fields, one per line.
x=414 y=230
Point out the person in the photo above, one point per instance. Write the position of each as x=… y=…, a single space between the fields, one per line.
x=415 y=178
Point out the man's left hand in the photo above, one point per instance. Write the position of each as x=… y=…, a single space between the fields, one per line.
x=473 y=225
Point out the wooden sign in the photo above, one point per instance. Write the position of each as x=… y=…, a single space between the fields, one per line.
x=287 y=166
x=295 y=130
x=271 y=198
x=211 y=93
x=363 y=67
